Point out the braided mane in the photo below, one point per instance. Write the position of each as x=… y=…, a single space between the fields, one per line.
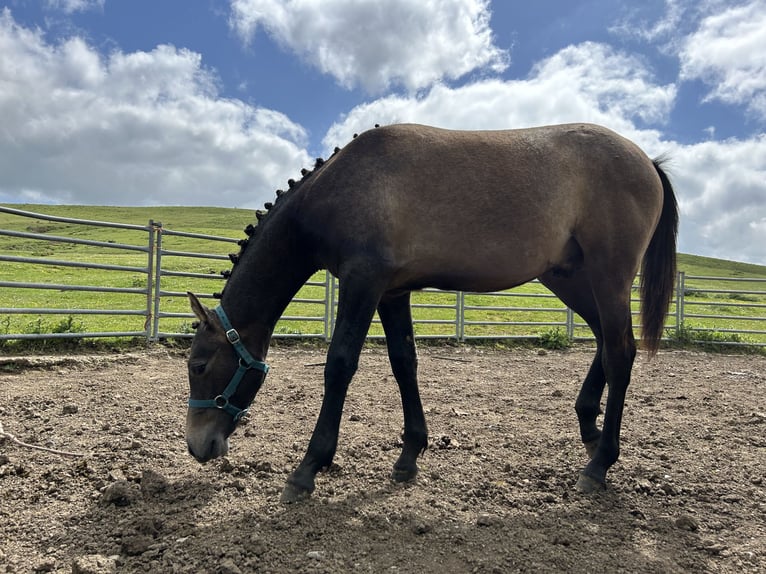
x=251 y=231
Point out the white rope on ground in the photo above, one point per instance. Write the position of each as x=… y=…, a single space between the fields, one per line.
x=14 y=440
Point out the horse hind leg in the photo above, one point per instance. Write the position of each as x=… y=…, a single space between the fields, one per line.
x=575 y=291
x=396 y=315
x=618 y=354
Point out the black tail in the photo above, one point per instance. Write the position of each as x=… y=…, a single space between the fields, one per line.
x=658 y=269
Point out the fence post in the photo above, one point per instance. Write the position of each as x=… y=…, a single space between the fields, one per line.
x=460 y=315
x=570 y=324
x=327 y=304
x=150 y=284
x=680 y=289
x=157 y=274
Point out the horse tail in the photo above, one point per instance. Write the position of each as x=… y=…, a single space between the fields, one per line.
x=658 y=268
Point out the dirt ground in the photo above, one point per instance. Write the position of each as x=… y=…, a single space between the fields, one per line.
x=495 y=491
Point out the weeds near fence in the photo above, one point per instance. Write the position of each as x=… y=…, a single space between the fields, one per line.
x=554 y=340
x=687 y=336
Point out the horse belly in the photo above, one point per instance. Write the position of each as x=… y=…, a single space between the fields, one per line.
x=477 y=266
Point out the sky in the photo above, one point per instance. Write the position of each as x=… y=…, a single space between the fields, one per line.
x=219 y=102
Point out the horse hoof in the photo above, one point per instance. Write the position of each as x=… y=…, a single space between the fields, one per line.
x=590 y=447
x=404 y=475
x=588 y=485
x=292 y=494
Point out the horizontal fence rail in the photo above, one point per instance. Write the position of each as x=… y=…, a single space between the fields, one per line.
x=138 y=295
x=143 y=283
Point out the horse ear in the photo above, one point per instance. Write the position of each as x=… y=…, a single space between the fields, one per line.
x=199 y=309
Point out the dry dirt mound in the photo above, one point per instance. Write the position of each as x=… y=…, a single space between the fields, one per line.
x=495 y=491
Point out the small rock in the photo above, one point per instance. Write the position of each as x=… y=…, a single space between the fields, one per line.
x=116 y=474
x=714 y=548
x=45 y=565
x=148 y=525
x=153 y=483
x=121 y=493
x=228 y=566
x=70 y=409
x=643 y=485
x=687 y=522
x=225 y=466
x=94 y=564
x=136 y=544
x=257 y=546
x=315 y=554
x=355 y=418
x=486 y=520
x=669 y=489
x=421 y=527
x=443 y=441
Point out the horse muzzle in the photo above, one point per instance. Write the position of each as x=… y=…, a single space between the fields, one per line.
x=204 y=451
x=205 y=438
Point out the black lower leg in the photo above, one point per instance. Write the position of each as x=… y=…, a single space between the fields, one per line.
x=356 y=308
x=396 y=317
x=618 y=363
x=588 y=405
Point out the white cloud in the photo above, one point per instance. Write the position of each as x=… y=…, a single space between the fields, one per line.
x=137 y=128
x=635 y=25
x=587 y=82
x=728 y=52
x=721 y=185
x=71 y=6
x=411 y=43
x=722 y=194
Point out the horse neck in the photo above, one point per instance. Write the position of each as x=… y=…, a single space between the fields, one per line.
x=271 y=270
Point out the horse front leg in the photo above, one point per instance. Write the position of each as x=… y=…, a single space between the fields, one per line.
x=396 y=315
x=356 y=306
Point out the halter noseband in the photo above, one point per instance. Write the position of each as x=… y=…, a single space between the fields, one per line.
x=246 y=362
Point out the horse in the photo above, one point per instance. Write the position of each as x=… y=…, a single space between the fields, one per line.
x=405 y=207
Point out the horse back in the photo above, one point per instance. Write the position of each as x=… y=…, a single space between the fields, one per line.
x=480 y=210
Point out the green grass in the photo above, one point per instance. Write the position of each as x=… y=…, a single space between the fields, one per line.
x=718 y=312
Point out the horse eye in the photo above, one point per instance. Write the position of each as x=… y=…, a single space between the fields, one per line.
x=197 y=368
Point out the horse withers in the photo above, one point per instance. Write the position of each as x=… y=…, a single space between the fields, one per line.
x=405 y=207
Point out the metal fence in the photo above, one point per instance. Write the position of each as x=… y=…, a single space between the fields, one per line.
x=150 y=276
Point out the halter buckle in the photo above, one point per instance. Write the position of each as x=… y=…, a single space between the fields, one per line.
x=233 y=336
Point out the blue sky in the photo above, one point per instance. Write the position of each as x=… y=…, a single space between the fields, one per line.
x=218 y=102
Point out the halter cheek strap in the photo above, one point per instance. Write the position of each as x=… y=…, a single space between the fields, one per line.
x=246 y=362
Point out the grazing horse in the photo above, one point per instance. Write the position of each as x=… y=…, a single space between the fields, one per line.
x=405 y=207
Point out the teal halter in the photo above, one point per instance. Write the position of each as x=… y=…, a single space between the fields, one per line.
x=246 y=362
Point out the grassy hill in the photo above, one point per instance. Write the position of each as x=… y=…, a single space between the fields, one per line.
x=704 y=297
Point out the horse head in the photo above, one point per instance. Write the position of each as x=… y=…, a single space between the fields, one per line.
x=223 y=381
